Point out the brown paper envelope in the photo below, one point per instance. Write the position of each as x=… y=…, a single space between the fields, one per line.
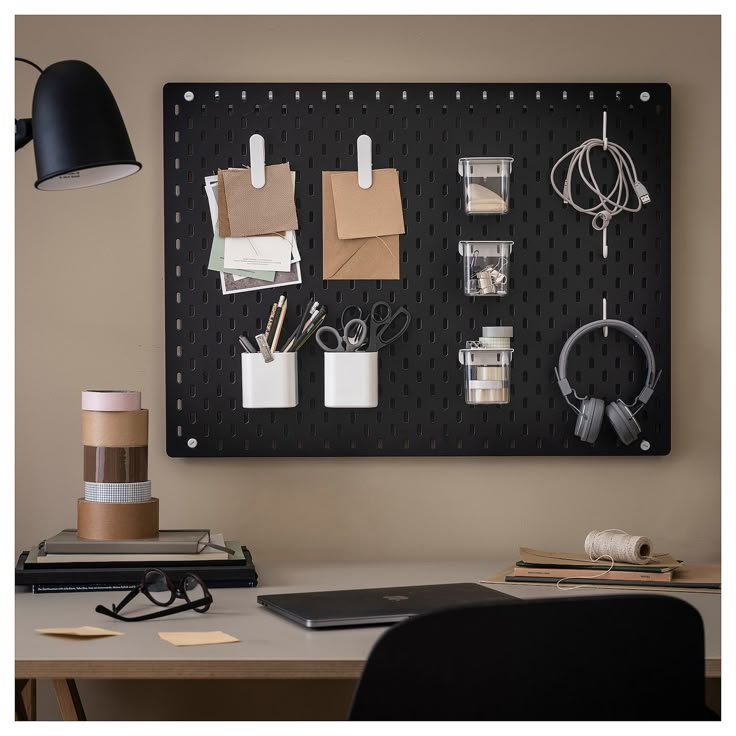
x=251 y=211
x=196 y=638
x=223 y=221
x=361 y=258
x=361 y=213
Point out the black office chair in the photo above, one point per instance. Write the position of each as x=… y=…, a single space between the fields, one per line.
x=613 y=657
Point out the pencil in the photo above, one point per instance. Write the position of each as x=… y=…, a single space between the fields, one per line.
x=269 y=324
x=279 y=322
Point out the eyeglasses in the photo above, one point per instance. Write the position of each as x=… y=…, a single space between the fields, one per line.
x=160 y=589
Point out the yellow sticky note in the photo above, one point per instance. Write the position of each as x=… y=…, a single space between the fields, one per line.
x=80 y=631
x=196 y=638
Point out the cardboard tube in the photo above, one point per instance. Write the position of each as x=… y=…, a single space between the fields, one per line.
x=115 y=464
x=115 y=428
x=117 y=520
x=111 y=400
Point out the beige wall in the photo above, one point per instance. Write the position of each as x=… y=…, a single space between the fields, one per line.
x=90 y=296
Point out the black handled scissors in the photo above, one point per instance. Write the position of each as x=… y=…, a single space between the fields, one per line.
x=384 y=320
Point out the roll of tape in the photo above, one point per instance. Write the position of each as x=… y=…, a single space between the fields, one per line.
x=115 y=428
x=115 y=464
x=117 y=492
x=117 y=520
x=111 y=400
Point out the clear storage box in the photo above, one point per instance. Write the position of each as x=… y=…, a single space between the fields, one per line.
x=486 y=184
x=486 y=266
x=487 y=366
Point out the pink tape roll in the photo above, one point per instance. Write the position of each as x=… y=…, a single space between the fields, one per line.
x=111 y=400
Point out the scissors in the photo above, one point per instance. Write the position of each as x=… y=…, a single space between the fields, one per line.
x=354 y=333
x=383 y=318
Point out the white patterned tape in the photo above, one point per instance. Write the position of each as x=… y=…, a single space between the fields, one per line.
x=117 y=492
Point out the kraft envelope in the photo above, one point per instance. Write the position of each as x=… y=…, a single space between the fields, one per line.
x=80 y=632
x=245 y=210
x=196 y=638
x=355 y=259
x=361 y=213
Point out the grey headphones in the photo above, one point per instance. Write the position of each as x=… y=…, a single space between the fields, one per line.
x=621 y=416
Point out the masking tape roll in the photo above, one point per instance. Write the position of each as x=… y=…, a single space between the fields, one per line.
x=118 y=492
x=115 y=464
x=111 y=400
x=115 y=428
x=117 y=520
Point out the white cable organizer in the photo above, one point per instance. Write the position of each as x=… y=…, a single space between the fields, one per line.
x=272 y=385
x=351 y=380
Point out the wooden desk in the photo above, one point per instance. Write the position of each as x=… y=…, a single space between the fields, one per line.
x=271 y=647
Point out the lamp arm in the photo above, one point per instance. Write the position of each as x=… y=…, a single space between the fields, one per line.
x=23 y=128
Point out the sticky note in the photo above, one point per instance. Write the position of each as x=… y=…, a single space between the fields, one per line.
x=80 y=631
x=196 y=638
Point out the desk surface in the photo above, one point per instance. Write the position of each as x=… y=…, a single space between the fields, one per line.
x=270 y=646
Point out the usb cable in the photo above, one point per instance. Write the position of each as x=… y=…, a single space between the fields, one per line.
x=627 y=186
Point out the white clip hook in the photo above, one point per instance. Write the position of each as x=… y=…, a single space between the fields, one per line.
x=365 y=162
x=605 y=315
x=605 y=130
x=257 y=146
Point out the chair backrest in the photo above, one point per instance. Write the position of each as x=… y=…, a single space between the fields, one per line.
x=607 y=657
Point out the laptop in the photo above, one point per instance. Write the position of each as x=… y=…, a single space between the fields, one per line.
x=363 y=607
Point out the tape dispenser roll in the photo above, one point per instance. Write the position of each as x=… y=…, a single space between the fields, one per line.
x=117 y=520
x=111 y=400
x=115 y=464
x=115 y=428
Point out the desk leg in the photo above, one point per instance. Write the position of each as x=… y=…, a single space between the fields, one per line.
x=70 y=704
x=25 y=700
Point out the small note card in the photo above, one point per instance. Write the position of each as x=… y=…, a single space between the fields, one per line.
x=80 y=631
x=196 y=638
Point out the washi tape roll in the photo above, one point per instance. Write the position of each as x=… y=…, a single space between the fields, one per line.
x=115 y=428
x=111 y=400
x=117 y=520
x=115 y=464
x=118 y=492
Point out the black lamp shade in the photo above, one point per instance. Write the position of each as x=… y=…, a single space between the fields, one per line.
x=79 y=135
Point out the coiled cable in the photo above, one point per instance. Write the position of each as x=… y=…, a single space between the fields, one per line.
x=626 y=187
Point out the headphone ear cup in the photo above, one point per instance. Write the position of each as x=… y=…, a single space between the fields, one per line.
x=588 y=425
x=623 y=421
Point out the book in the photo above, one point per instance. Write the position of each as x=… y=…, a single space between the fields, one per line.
x=169 y=541
x=558 y=573
x=538 y=558
x=107 y=576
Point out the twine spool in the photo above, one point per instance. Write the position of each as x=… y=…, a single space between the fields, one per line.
x=618 y=546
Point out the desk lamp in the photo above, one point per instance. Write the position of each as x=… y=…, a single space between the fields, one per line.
x=78 y=133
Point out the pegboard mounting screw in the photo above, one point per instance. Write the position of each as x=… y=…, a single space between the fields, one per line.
x=189 y=95
x=192 y=443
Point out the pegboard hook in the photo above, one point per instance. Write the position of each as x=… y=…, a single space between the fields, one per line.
x=605 y=130
x=365 y=162
x=605 y=315
x=257 y=146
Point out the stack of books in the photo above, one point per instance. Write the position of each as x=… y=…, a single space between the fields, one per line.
x=67 y=563
x=536 y=566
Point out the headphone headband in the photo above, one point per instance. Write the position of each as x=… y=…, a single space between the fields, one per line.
x=645 y=394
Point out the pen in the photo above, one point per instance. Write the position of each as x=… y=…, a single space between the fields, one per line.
x=319 y=318
x=298 y=331
x=269 y=324
x=279 y=321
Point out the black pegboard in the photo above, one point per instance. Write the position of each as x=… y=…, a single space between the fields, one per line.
x=558 y=276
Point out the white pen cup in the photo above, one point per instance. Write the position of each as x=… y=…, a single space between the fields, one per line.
x=351 y=380
x=273 y=385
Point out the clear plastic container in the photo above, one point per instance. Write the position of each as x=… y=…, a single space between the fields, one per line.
x=486 y=266
x=486 y=184
x=487 y=366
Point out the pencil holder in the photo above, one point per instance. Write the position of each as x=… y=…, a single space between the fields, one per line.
x=273 y=385
x=486 y=184
x=351 y=380
x=486 y=266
